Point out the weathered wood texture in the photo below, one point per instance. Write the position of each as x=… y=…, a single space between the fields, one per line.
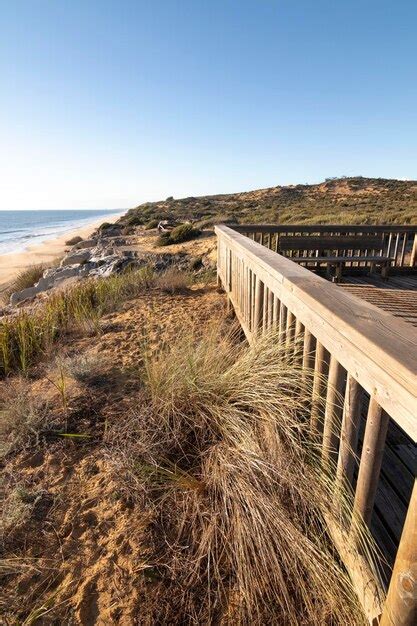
x=354 y=350
x=393 y=241
x=398 y=296
x=401 y=603
x=336 y=242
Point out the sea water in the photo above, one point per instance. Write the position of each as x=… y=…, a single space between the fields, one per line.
x=20 y=229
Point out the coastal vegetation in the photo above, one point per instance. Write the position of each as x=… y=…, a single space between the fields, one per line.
x=30 y=334
x=182 y=232
x=355 y=200
x=26 y=278
x=187 y=469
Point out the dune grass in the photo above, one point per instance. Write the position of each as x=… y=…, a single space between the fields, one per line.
x=220 y=452
x=173 y=280
x=28 y=336
x=22 y=416
x=26 y=278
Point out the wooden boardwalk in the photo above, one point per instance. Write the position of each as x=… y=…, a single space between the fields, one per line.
x=397 y=296
x=362 y=355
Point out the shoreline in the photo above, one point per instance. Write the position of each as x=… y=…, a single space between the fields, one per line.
x=12 y=263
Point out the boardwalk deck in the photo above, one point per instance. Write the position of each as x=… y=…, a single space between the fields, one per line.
x=397 y=296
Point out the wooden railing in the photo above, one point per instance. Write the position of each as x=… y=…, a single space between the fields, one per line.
x=396 y=241
x=353 y=350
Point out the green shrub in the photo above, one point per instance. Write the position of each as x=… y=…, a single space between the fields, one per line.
x=105 y=226
x=183 y=232
x=219 y=219
x=134 y=220
x=151 y=224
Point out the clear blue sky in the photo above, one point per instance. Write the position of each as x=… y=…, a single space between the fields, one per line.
x=105 y=104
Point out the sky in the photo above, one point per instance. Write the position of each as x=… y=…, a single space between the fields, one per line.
x=107 y=104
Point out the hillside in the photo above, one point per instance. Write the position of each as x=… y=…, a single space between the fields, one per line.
x=345 y=200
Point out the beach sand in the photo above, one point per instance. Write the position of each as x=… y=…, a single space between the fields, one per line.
x=46 y=252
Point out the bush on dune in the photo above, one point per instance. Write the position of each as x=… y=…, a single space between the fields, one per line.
x=74 y=240
x=219 y=452
x=151 y=224
x=183 y=232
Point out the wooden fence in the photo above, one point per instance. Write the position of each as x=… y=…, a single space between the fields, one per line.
x=396 y=241
x=352 y=350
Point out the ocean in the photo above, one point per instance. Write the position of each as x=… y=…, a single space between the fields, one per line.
x=20 y=229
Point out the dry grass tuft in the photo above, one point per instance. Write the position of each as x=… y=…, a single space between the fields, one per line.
x=22 y=417
x=174 y=281
x=219 y=450
x=74 y=240
x=88 y=369
x=26 y=278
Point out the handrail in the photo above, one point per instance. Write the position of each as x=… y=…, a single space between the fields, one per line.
x=382 y=357
x=354 y=347
x=398 y=241
x=326 y=228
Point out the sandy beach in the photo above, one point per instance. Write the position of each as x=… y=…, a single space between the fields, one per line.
x=47 y=251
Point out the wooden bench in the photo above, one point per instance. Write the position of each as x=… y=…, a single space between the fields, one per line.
x=336 y=252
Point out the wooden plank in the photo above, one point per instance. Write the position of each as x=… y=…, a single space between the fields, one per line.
x=259 y=299
x=413 y=258
x=365 y=580
x=289 y=334
x=298 y=342
x=338 y=242
x=323 y=228
x=309 y=351
x=378 y=352
x=342 y=259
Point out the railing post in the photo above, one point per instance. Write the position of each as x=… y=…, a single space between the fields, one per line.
x=289 y=334
x=371 y=459
x=401 y=604
x=308 y=351
x=333 y=412
x=259 y=302
x=350 y=431
x=413 y=259
x=321 y=369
